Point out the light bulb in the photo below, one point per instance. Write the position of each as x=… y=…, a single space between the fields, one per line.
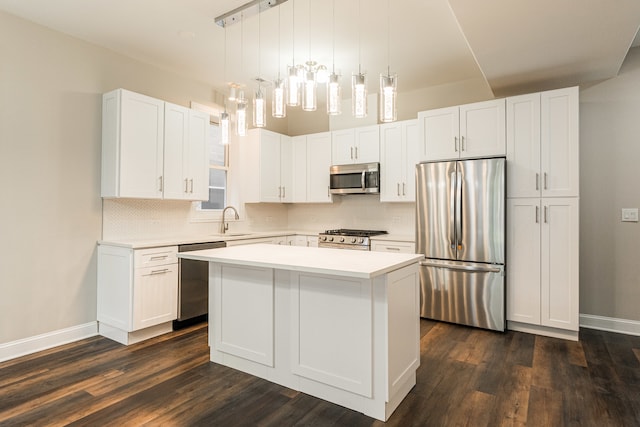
x=278 y=105
x=359 y=95
x=388 y=95
x=309 y=99
x=293 y=86
x=334 y=95
x=224 y=128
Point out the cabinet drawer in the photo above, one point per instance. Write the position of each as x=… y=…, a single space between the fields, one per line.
x=155 y=256
x=389 y=246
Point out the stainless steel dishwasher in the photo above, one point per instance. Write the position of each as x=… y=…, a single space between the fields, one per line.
x=193 y=286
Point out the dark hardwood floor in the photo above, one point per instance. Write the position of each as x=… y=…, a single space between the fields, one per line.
x=467 y=377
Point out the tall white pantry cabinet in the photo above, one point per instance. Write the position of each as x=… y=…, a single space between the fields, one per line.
x=543 y=213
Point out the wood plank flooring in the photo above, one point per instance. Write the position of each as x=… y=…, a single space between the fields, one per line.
x=467 y=377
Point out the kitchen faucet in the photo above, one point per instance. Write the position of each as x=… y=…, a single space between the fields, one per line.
x=225 y=226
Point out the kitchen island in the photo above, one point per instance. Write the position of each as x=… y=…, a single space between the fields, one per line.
x=336 y=324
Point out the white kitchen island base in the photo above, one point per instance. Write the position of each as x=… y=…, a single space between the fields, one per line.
x=348 y=336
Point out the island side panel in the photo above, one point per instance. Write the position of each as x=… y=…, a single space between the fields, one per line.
x=331 y=331
x=242 y=301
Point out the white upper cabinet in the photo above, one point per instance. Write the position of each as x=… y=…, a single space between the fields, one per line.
x=542 y=144
x=185 y=153
x=318 y=163
x=267 y=166
x=132 y=145
x=398 y=157
x=467 y=131
x=357 y=145
x=152 y=149
x=299 y=164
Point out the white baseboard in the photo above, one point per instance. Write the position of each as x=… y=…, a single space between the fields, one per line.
x=610 y=324
x=25 y=346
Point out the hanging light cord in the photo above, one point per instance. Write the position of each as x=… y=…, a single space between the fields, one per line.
x=279 y=60
x=293 y=33
x=333 y=36
x=359 y=38
x=388 y=39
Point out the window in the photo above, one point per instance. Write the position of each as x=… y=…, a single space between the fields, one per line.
x=218 y=169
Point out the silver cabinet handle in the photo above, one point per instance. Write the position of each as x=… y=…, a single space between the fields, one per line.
x=462 y=143
x=398 y=189
x=537 y=214
x=545 y=181
x=191 y=184
x=455 y=144
x=537 y=181
x=356 y=153
x=284 y=192
x=545 y=215
x=160 y=179
x=157 y=257
x=328 y=191
x=351 y=152
x=186 y=185
x=403 y=189
x=279 y=192
x=164 y=270
x=389 y=248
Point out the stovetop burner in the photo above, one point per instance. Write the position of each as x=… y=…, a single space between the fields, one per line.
x=352 y=232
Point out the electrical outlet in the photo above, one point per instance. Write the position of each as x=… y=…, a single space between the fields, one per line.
x=629 y=214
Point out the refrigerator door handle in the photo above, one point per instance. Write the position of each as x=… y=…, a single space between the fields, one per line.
x=466 y=268
x=452 y=209
x=459 y=210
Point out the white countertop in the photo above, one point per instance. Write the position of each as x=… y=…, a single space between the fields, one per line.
x=338 y=262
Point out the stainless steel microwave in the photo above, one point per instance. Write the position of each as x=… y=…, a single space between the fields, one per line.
x=362 y=178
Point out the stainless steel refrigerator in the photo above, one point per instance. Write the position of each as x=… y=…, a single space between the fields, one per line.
x=460 y=228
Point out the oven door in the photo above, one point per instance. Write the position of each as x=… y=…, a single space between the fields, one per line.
x=355 y=179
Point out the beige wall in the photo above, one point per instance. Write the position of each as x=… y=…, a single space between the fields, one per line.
x=609 y=167
x=50 y=214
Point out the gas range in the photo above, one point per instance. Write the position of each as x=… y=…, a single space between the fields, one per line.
x=344 y=238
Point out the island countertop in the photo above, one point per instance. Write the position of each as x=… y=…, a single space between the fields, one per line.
x=340 y=262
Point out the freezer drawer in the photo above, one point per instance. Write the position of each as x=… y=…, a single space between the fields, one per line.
x=465 y=293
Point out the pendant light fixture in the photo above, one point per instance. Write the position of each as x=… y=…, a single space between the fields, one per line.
x=388 y=84
x=241 y=102
x=310 y=86
x=278 y=96
x=334 y=92
x=293 y=81
x=224 y=116
x=259 y=102
x=359 y=82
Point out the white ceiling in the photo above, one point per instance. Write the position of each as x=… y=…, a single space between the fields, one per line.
x=518 y=46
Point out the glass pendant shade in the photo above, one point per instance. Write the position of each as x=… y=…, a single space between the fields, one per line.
x=310 y=87
x=388 y=95
x=232 y=94
x=359 y=95
x=293 y=86
x=241 y=115
x=334 y=95
x=224 y=128
x=259 y=109
x=278 y=104
x=322 y=74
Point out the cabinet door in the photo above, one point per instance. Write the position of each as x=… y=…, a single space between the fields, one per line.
x=367 y=145
x=559 y=141
x=439 y=134
x=523 y=146
x=270 y=188
x=155 y=295
x=560 y=263
x=198 y=155
x=286 y=169
x=141 y=147
x=176 y=135
x=482 y=129
x=391 y=165
x=342 y=147
x=299 y=166
x=392 y=246
x=318 y=164
x=523 y=260
x=410 y=153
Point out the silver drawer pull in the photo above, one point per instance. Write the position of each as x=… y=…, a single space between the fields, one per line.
x=164 y=270
x=391 y=248
x=158 y=257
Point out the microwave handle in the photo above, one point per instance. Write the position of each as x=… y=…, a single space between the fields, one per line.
x=362 y=180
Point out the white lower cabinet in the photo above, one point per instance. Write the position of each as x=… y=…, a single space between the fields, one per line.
x=542 y=266
x=137 y=292
x=393 y=246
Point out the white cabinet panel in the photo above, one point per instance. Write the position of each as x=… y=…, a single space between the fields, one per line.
x=243 y=310
x=198 y=155
x=176 y=142
x=155 y=295
x=318 y=163
x=393 y=246
x=299 y=166
x=357 y=145
x=342 y=143
x=523 y=260
x=399 y=154
x=267 y=163
x=523 y=146
x=323 y=349
x=466 y=131
x=560 y=263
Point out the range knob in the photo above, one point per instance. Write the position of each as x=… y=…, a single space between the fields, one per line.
x=330 y=239
x=342 y=239
x=361 y=240
x=323 y=238
x=353 y=240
